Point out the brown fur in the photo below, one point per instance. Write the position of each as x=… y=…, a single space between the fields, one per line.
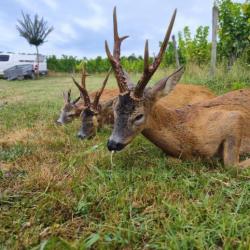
x=184 y=94
x=106 y=96
x=220 y=126
x=181 y=96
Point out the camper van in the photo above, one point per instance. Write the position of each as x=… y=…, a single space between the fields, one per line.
x=8 y=60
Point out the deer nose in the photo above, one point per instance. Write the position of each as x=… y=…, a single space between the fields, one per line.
x=114 y=146
x=80 y=135
x=59 y=122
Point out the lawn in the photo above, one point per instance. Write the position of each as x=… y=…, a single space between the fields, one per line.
x=57 y=192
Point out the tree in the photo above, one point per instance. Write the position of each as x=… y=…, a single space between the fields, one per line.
x=34 y=31
x=234 y=29
x=195 y=50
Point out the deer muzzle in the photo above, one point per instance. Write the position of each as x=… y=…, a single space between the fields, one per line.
x=115 y=146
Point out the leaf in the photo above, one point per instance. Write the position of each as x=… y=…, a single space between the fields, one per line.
x=91 y=240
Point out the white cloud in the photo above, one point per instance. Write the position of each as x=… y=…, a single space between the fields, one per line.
x=64 y=33
x=92 y=23
x=95 y=7
x=7 y=30
x=68 y=30
x=96 y=22
x=28 y=4
x=52 y=4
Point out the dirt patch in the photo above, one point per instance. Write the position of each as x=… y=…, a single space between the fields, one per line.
x=13 y=99
x=5 y=167
x=16 y=136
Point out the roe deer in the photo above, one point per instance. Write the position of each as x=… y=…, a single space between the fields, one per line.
x=182 y=95
x=73 y=109
x=95 y=113
x=219 y=126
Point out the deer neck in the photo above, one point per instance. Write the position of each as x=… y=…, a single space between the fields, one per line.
x=164 y=129
x=107 y=113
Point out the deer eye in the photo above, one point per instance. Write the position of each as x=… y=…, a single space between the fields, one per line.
x=138 y=117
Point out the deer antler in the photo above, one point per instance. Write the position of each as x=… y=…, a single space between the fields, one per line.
x=83 y=92
x=99 y=93
x=67 y=96
x=76 y=100
x=149 y=70
x=121 y=77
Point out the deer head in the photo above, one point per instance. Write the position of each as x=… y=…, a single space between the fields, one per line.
x=69 y=109
x=90 y=115
x=133 y=105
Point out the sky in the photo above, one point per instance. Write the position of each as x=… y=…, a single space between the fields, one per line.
x=82 y=26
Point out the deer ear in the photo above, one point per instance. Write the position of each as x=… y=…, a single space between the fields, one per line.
x=108 y=105
x=165 y=85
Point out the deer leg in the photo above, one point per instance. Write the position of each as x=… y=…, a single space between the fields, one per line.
x=231 y=150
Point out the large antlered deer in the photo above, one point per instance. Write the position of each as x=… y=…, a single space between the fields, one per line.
x=220 y=126
x=73 y=109
x=94 y=116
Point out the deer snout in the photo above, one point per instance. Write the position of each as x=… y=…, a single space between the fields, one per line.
x=81 y=135
x=115 y=146
x=59 y=122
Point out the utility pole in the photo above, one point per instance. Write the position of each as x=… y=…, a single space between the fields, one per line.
x=214 y=40
x=176 y=53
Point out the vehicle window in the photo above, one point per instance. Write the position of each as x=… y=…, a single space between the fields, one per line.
x=4 y=58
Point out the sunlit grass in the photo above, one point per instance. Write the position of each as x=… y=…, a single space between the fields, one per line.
x=62 y=192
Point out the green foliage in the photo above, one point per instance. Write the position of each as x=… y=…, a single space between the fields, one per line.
x=97 y=65
x=234 y=29
x=194 y=50
x=34 y=31
x=64 y=64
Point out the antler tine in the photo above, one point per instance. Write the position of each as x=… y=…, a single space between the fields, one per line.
x=115 y=58
x=83 y=92
x=99 y=93
x=146 y=57
x=76 y=100
x=69 y=95
x=149 y=70
x=117 y=40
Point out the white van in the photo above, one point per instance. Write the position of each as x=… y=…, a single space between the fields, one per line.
x=8 y=60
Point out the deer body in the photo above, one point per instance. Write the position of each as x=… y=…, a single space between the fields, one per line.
x=182 y=95
x=220 y=126
x=73 y=109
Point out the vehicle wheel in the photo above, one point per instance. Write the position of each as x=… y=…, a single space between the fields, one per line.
x=32 y=76
x=20 y=78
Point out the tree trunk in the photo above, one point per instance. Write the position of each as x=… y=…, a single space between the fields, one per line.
x=37 y=58
x=214 y=40
x=231 y=61
x=176 y=53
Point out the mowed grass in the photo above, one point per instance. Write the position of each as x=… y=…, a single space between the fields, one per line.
x=57 y=192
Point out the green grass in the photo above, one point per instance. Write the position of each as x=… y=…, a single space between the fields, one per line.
x=57 y=192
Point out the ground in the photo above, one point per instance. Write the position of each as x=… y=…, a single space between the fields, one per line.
x=57 y=192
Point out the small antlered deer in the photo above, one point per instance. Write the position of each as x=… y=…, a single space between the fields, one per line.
x=97 y=112
x=73 y=109
x=216 y=127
